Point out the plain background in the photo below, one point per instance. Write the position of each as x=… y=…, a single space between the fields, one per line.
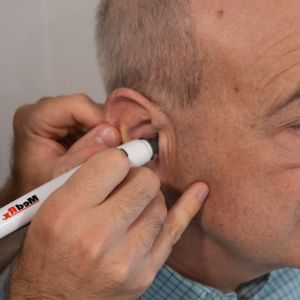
x=47 y=48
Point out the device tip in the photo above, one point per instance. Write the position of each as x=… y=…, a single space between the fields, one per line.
x=154 y=144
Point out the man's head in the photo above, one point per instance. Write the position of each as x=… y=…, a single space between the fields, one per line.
x=151 y=47
x=219 y=81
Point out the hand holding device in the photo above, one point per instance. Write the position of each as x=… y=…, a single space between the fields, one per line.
x=103 y=235
x=21 y=211
x=53 y=136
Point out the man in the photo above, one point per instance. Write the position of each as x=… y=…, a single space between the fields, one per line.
x=106 y=232
x=219 y=82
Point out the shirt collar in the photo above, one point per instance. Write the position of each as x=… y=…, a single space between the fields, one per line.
x=169 y=284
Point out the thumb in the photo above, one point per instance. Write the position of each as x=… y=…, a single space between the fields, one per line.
x=70 y=161
x=97 y=139
x=103 y=134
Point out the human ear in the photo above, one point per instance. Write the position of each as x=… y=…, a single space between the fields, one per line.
x=136 y=116
x=133 y=114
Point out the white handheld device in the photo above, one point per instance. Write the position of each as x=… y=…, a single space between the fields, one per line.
x=21 y=211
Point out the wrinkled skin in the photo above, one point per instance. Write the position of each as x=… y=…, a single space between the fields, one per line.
x=241 y=139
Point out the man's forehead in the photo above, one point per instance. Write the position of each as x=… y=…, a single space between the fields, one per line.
x=261 y=38
x=253 y=22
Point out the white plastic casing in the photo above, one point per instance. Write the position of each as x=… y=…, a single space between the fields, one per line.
x=139 y=152
x=25 y=216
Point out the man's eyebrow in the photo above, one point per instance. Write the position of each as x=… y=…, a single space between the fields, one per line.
x=290 y=100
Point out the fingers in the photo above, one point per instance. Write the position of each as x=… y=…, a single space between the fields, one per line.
x=130 y=199
x=96 y=179
x=103 y=134
x=68 y=162
x=91 y=143
x=176 y=222
x=144 y=231
x=54 y=117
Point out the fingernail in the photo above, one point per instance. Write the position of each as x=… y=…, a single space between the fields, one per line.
x=203 y=193
x=106 y=136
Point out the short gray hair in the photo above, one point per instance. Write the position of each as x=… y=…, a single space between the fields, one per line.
x=150 y=46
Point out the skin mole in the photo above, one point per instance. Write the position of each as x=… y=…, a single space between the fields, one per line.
x=220 y=13
x=236 y=89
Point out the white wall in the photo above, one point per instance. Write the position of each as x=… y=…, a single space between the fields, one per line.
x=46 y=48
x=73 y=64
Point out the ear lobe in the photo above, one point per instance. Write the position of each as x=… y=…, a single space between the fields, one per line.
x=126 y=110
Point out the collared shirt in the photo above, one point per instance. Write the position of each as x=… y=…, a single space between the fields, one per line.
x=283 y=284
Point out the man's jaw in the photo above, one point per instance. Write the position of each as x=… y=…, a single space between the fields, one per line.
x=198 y=257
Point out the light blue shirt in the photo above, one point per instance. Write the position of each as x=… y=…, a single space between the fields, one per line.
x=283 y=284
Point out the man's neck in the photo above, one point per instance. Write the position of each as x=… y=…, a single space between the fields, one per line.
x=200 y=258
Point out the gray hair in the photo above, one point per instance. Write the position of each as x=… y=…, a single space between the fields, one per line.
x=150 y=46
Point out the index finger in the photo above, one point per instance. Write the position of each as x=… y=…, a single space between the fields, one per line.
x=176 y=222
x=96 y=179
x=53 y=117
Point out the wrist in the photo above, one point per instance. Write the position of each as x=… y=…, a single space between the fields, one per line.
x=20 y=289
x=26 y=282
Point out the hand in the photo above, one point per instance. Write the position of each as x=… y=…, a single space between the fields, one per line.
x=103 y=235
x=47 y=140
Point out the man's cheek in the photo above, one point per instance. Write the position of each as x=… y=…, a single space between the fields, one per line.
x=247 y=213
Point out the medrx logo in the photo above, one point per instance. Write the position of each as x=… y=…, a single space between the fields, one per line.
x=14 y=210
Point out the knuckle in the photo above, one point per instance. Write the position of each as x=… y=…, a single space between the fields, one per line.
x=47 y=227
x=121 y=274
x=145 y=240
x=137 y=192
x=152 y=226
x=175 y=232
x=145 y=282
x=156 y=224
x=44 y=99
x=161 y=207
x=20 y=110
x=87 y=251
x=159 y=211
x=164 y=213
x=81 y=97
x=148 y=279
x=121 y=212
x=17 y=120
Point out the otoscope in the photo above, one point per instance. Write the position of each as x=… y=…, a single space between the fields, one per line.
x=21 y=211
